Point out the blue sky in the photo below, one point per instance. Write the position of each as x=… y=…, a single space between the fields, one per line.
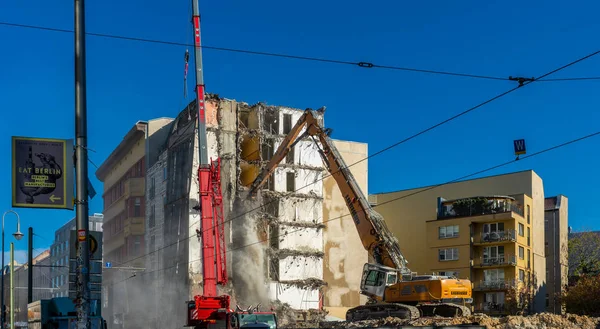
x=130 y=81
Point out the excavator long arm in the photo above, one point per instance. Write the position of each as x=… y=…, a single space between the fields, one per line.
x=377 y=239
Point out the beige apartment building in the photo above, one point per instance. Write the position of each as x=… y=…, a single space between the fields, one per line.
x=489 y=230
x=344 y=254
x=123 y=174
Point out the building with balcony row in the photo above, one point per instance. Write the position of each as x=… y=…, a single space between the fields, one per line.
x=489 y=230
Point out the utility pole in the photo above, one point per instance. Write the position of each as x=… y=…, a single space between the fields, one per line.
x=81 y=169
x=12 y=284
x=30 y=269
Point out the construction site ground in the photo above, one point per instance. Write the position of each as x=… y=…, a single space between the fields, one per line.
x=537 y=321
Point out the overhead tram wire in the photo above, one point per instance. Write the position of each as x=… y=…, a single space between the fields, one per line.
x=391 y=146
x=503 y=164
x=428 y=129
x=289 y=56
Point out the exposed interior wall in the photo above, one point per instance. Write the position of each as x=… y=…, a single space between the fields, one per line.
x=344 y=253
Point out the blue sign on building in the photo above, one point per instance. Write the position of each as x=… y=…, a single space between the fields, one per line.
x=108 y=264
x=520 y=147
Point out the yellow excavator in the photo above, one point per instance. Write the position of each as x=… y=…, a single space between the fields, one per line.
x=392 y=289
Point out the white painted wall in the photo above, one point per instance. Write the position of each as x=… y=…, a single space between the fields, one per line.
x=307 y=181
x=297 y=298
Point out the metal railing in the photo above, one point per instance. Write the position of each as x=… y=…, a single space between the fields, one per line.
x=495 y=284
x=498 y=261
x=489 y=308
x=478 y=206
x=498 y=236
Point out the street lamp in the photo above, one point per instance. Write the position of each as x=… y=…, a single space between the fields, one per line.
x=18 y=235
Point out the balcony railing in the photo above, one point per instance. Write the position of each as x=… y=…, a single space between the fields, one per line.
x=498 y=261
x=498 y=236
x=495 y=284
x=478 y=206
x=489 y=308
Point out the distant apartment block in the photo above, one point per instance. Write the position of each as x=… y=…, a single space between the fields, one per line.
x=59 y=254
x=557 y=250
x=486 y=239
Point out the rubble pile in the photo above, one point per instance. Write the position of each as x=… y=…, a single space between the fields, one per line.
x=287 y=317
x=537 y=321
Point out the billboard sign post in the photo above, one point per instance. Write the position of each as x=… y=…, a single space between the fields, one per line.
x=42 y=173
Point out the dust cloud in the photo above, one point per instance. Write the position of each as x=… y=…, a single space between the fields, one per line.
x=248 y=254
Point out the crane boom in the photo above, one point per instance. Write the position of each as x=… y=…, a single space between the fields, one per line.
x=390 y=285
x=376 y=238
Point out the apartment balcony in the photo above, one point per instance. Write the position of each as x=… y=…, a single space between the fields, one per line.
x=491 y=285
x=490 y=308
x=496 y=237
x=496 y=261
x=478 y=206
x=135 y=186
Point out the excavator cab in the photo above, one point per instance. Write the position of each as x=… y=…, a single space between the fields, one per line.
x=376 y=278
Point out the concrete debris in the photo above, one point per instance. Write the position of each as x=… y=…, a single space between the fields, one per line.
x=311 y=195
x=537 y=321
x=283 y=253
x=310 y=283
x=287 y=317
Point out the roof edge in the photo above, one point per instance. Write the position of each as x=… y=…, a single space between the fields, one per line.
x=139 y=128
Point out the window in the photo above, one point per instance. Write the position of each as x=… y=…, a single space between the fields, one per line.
x=152 y=188
x=164 y=173
x=448 y=232
x=152 y=243
x=521 y=275
x=521 y=229
x=137 y=242
x=287 y=123
x=289 y=158
x=493 y=253
x=493 y=275
x=521 y=252
x=137 y=207
x=528 y=214
x=528 y=237
x=493 y=227
x=290 y=181
x=449 y=273
x=448 y=254
x=152 y=219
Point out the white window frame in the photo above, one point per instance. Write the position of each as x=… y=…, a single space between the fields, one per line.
x=521 y=230
x=450 y=254
x=449 y=231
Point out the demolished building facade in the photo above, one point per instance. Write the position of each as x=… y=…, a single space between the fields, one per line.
x=275 y=241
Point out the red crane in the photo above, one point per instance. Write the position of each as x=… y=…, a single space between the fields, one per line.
x=210 y=310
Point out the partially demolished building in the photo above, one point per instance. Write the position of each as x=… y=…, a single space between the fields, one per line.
x=275 y=241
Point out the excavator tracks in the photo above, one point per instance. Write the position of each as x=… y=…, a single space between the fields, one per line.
x=446 y=310
x=382 y=310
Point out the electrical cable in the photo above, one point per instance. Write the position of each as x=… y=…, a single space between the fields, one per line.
x=422 y=131
x=288 y=56
x=392 y=146
x=407 y=195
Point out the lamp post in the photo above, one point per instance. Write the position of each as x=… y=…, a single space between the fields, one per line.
x=18 y=235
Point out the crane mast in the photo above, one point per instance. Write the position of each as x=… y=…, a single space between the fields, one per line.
x=209 y=179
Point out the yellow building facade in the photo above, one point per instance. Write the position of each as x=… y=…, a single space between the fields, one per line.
x=486 y=239
x=489 y=230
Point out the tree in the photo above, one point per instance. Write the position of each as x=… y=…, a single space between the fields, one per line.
x=582 y=297
x=584 y=253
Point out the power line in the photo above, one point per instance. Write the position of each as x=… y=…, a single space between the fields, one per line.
x=428 y=129
x=405 y=196
x=389 y=147
x=289 y=56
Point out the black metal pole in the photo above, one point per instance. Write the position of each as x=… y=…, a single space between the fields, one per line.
x=30 y=269
x=81 y=170
x=3 y=311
